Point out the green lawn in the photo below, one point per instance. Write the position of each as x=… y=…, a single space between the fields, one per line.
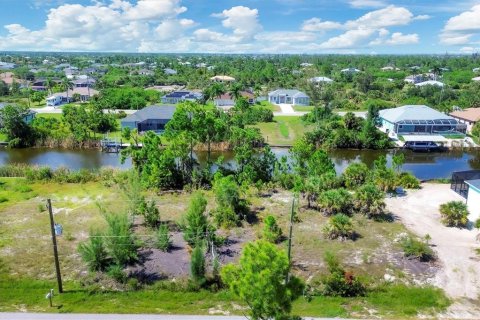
x=454 y=136
x=49 y=115
x=284 y=130
x=271 y=106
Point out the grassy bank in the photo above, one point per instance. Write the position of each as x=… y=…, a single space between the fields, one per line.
x=284 y=131
x=392 y=301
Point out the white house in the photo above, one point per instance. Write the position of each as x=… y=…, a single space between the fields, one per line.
x=320 y=80
x=476 y=79
x=350 y=70
x=390 y=68
x=476 y=70
x=429 y=83
x=473 y=199
x=294 y=97
x=222 y=79
x=54 y=100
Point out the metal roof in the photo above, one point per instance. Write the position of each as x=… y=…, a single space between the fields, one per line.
x=474 y=183
x=416 y=114
x=151 y=112
x=288 y=92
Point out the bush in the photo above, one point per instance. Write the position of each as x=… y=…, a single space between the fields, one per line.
x=335 y=201
x=271 y=230
x=230 y=206
x=116 y=272
x=369 y=200
x=454 y=214
x=355 y=175
x=417 y=249
x=195 y=224
x=339 y=226
x=340 y=282
x=120 y=241
x=197 y=266
x=93 y=252
x=150 y=213
x=408 y=180
x=164 y=242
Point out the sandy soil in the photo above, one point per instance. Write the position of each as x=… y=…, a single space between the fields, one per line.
x=459 y=274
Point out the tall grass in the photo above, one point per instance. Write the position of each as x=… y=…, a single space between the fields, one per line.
x=60 y=175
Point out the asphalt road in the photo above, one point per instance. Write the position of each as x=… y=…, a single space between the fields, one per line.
x=79 y=316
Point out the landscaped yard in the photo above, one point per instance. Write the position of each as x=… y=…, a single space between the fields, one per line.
x=26 y=254
x=303 y=108
x=284 y=130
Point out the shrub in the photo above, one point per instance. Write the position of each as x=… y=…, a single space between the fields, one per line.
x=116 y=272
x=93 y=252
x=408 y=180
x=340 y=282
x=417 y=249
x=369 y=200
x=230 y=206
x=150 y=213
x=335 y=201
x=120 y=242
x=271 y=230
x=355 y=175
x=197 y=266
x=339 y=226
x=454 y=214
x=164 y=242
x=195 y=224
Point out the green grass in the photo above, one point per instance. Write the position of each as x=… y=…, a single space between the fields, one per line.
x=391 y=301
x=303 y=108
x=271 y=106
x=49 y=115
x=454 y=136
x=284 y=131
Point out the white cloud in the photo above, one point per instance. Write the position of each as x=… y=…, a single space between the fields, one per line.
x=399 y=38
x=422 y=17
x=316 y=24
x=286 y=36
x=386 y=17
x=116 y=26
x=469 y=50
x=243 y=21
x=461 y=28
x=349 y=39
x=360 y=4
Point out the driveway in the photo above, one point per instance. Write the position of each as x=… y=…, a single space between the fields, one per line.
x=459 y=274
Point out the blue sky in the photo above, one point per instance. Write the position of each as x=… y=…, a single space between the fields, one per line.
x=241 y=26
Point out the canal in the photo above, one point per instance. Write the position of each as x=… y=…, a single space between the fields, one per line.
x=423 y=165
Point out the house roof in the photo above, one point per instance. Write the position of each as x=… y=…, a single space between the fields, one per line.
x=151 y=112
x=350 y=70
x=183 y=94
x=288 y=92
x=320 y=79
x=222 y=78
x=415 y=112
x=430 y=83
x=476 y=79
x=475 y=184
x=83 y=91
x=227 y=96
x=470 y=114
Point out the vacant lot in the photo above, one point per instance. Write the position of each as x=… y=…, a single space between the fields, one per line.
x=26 y=253
x=284 y=131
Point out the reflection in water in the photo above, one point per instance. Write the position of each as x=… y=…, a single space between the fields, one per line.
x=425 y=166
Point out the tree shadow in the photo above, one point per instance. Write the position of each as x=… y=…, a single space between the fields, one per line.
x=145 y=277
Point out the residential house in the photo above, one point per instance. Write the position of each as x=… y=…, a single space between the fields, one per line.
x=305 y=65
x=145 y=72
x=418 y=119
x=84 y=83
x=180 y=96
x=469 y=117
x=467 y=184
x=390 y=68
x=350 y=70
x=320 y=80
x=222 y=79
x=170 y=72
x=476 y=70
x=227 y=99
x=476 y=79
x=84 y=93
x=27 y=119
x=288 y=96
x=7 y=65
x=152 y=118
x=429 y=83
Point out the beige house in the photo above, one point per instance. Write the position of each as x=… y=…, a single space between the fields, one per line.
x=222 y=79
x=468 y=116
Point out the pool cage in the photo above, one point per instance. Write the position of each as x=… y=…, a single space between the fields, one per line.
x=458 y=181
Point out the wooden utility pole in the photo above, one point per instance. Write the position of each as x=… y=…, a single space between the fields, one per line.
x=55 y=252
x=290 y=238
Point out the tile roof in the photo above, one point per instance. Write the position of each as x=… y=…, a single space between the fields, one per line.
x=470 y=114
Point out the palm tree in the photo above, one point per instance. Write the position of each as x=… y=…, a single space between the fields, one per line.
x=235 y=91
x=49 y=85
x=66 y=85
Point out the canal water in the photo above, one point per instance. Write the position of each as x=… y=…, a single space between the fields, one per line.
x=423 y=165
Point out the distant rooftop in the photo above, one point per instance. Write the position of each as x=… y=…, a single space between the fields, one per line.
x=151 y=112
x=469 y=114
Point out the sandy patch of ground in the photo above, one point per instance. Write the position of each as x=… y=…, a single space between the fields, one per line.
x=459 y=274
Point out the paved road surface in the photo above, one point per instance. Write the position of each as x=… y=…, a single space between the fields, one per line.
x=72 y=316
